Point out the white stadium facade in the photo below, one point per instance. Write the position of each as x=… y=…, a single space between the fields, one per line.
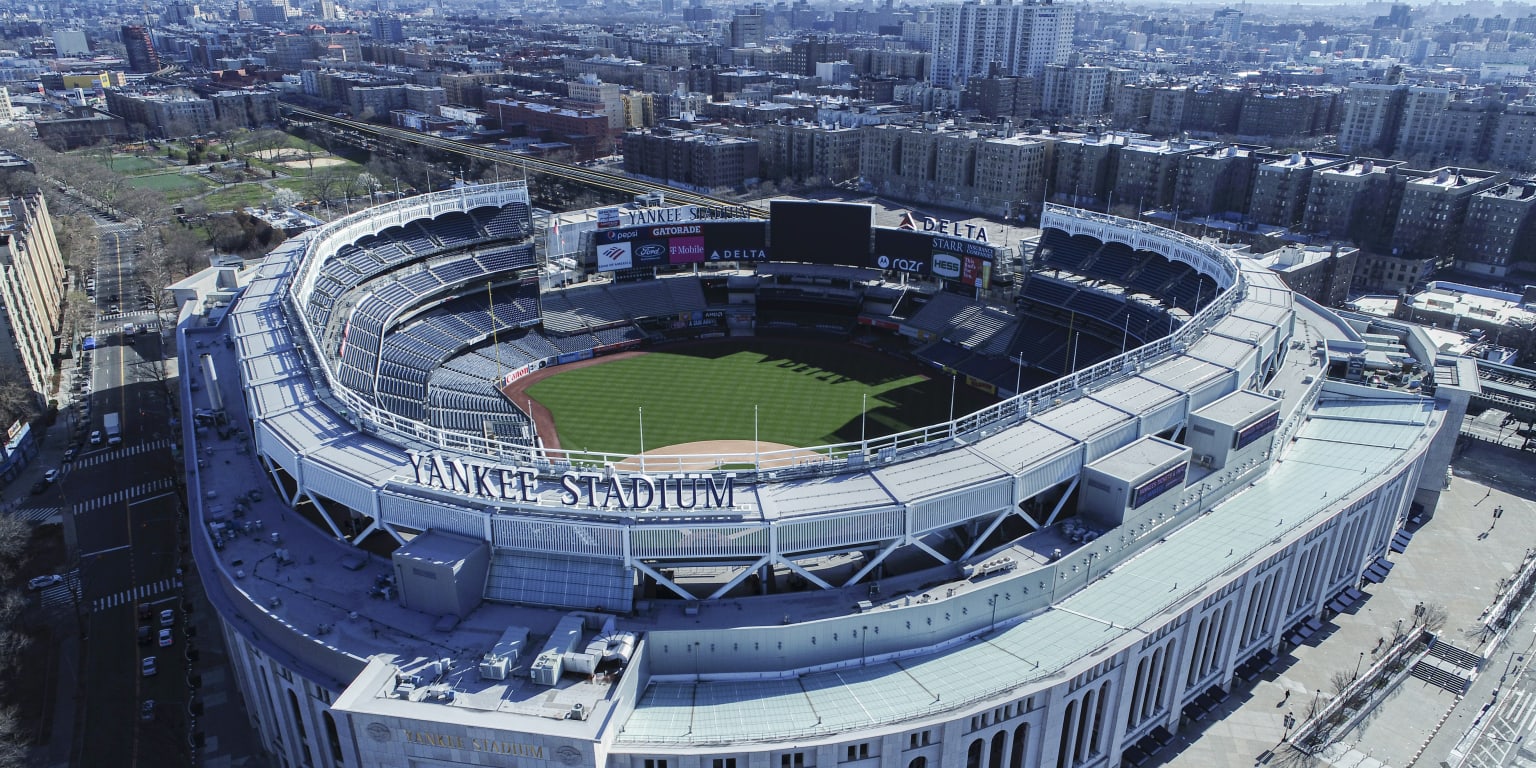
x=406 y=577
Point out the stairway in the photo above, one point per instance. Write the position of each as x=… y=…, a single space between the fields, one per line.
x=1440 y=678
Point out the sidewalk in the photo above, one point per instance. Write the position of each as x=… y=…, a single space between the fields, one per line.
x=1455 y=561
x=53 y=441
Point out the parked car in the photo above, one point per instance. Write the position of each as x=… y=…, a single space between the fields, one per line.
x=51 y=476
x=147 y=667
x=165 y=638
x=39 y=487
x=167 y=618
x=95 y=437
x=143 y=634
x=43 y=582
x=147 y=710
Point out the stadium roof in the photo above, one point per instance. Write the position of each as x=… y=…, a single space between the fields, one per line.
x=1352 y=437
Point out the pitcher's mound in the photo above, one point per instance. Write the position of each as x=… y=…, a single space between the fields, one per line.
x=715 y=454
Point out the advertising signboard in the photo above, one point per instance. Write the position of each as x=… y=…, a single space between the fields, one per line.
x=902 y=251
x=671 y=244
x=611 y=256
x=1157 y=486
x=736 y=241
x=607 y=218
x=1256 y=430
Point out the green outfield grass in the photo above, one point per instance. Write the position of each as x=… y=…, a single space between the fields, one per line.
x=806 y=394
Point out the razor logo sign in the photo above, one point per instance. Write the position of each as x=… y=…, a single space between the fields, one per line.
x=912 y=266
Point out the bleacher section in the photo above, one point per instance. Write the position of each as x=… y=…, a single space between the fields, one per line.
x=396 y=247
x=1138 y=271
x=510 y=221
x=1041 y=345
x=591 y=308
x=410 y=354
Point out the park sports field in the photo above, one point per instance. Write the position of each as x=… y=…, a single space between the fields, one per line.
x=806 y=393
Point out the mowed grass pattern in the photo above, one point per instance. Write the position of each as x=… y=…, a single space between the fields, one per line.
x=806 y=394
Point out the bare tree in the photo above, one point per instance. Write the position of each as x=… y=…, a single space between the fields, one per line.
x=1435 y=616
x=18 y=401
x=184 y=252
x=13 y=741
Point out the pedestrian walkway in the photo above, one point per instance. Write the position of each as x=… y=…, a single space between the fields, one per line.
x=113 y=454
x=127 y=494
x=38 y=514
x=62 y=593
x=135 y=594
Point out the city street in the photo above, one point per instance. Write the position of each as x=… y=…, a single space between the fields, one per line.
x=121 y=511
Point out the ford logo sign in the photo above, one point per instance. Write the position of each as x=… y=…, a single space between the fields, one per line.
x=651 y=251
x=945 y=265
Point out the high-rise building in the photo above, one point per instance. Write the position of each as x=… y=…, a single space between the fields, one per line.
x=141 y=49
x=1227 y=24
x=1372 y=112
x=747 y=28
x=1020 y=38
x=1512 y=138
x=387 y=29
x=1420 y=130
x=31 y=290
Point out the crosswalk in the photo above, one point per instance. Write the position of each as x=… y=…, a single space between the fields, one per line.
x=151 y=320
x=113 y=454
x=142 y=489
x=62 y=593
x=37 y=514
x=135 y=594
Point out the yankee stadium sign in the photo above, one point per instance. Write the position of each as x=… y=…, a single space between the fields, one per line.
x=627 y=492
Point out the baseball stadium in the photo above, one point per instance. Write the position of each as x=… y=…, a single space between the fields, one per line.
x=653 y=486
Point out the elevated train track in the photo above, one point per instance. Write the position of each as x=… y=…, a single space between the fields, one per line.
x=601 y=179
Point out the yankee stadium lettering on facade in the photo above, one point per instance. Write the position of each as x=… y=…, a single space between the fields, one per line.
x=620 y=491
x=682 y=213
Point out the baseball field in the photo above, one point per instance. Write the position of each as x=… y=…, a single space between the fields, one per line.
x=805 y=393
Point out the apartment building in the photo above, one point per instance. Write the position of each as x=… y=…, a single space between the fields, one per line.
x=971 y=37
x=1498 y=232
x=31 y=291
x=974 y=170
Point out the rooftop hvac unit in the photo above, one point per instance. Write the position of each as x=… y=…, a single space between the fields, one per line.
x=547 y=668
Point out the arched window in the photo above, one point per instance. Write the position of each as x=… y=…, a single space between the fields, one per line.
x=918 y=762
x=1020 y=743
x=331 y=737
x=999 y=748
x=973 y=755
